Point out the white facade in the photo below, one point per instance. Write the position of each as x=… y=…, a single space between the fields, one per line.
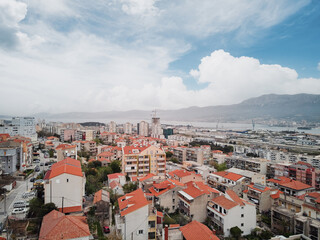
x=143 y=128
x=127 y=128
x=135 y=224
x=66 y=189
x=112 y=126
x=21 y=126
x=156 y=130
x=243 y=217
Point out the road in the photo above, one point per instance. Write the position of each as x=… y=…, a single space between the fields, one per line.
x=16 y=194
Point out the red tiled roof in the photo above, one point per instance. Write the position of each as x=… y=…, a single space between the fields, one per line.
x=276 y=195
x=229 y=175
x=296 y=185
x=174 y=226
x=68 y=165
x=224 y=202
x=235 y=197
x=105 y=154
x=176 y=182
x=159 y=214
x=66 y=146
x=56 y=226
x=132 y=202
x=179 y=173
x=115 y=175
x=258 y=189
x=130 y=149
x=71 y=209
x=194 y=189
x=150 y=175
x=279 y=180
x=114 y=184
x=197 y=231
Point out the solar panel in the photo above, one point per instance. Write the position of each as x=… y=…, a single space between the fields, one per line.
x=259 y=186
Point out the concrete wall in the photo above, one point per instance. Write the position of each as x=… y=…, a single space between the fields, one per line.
x=135 y=221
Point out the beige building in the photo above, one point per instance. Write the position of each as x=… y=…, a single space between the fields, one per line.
x=66 y=150
x=140 y=161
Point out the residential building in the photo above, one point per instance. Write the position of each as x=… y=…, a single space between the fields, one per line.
x=101 y=201
x=290 y=187
x=255 y=165
x=253 y=177
x=196 y=230
x=118 y=177
x=64 y=185
x=228 y=211
x=137 y=219
x=156 y=130
x=227 y=180
x=127 y=128
x=184 y=176
x=66 y=151
x=166 y=194
x=112 y=127
x=70 y=135
x=282 y=220
x=21 y=126
x=89 y=135
x=143 y=128
x=194 y=198
x=259 y=195
x=56 y=225
x=139 y=161
x=305 y=173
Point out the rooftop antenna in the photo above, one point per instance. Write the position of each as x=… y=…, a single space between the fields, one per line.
x=154 y=113
x=253 y=124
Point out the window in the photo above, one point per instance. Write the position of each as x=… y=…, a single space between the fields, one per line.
x=140 y=231
x=242 y=207
x=152 y=224
x=242 y=215
x=242 y=224
x=173 y=200
x=67 y=179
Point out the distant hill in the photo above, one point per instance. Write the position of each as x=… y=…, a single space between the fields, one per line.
x=272 y=106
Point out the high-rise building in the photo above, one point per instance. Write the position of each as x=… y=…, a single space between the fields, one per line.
x=127 y=128
x=143 y=128
x=156 y=130
x=21 y=126
x=112 y=126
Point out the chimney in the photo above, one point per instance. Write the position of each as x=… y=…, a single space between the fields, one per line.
x=166 y=232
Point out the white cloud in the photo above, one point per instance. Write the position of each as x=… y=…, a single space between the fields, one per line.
x=319 y=66
x=139 y=7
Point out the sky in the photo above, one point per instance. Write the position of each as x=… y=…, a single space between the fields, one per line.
x=91 y=56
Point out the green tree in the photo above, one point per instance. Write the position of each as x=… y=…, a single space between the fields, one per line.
x=46 y=208
x=51 y=153
x=129 y=187
x=169 y=154
x=116 y=166
x=220 y=167
x=94 y=164
x=236 y=232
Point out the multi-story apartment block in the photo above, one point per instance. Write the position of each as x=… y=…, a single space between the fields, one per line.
x=66 y=150
x=15 y=154
x=290 y=187
x=89 y=135
x=194 y=198
x=112 y=127
x=156 y=130
x=252 y=164
x=228 y=211
x=21 y=126
x=143 y=128
x=87 y=146
x=64 y=185
x=137 y=219
x=306 y=173
x=127 y=128
x=69 y=135
x=139 y=161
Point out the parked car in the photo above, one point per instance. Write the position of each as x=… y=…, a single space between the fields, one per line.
x=46 y=164
x=106 y=229
x=29 y=194
x=32 y=179
x=38 y=182
x=36 y=160
x=37 y=169
x=41 y=164
x=19 y=211
x=20 y=204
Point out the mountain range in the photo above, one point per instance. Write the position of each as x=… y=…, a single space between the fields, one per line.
x=266 y=107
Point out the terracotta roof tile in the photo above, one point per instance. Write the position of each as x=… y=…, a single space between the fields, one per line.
x=148 y=176
x=56 y=225
x=235 y=197
x=229 y=175
x=197 y=231
x=224 y=202
x=132 y=201
x=68 y=165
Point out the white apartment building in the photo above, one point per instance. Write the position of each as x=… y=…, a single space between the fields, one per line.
x=228 y=211
x=156 y=130
x=112 y=127
x=143 y=128
x=65 y=185
x=21 y=126
x=127 y=128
